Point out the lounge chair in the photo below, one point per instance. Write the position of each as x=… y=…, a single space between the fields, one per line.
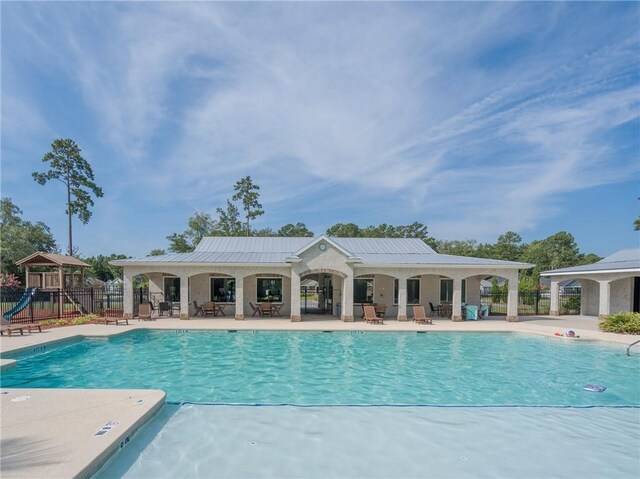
x=117 y=321
x=144 y=312
x=381 y=309
x=9 y=328
x=275 y=309
x=256 y=310
x=419 y=315
x=370 y=315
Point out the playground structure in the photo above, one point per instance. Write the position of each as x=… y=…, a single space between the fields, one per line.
x=55 y=282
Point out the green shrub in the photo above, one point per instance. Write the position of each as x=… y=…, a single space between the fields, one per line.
x=61 y=322
x=626 y=323
x=572 y=303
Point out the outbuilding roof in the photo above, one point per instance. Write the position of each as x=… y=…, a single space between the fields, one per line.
x=51 y=259
x=277 y=250
x=625 y=260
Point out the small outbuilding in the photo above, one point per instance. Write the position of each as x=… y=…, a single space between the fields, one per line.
x=609 y=286
x=68 y=271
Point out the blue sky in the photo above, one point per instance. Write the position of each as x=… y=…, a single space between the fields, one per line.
x=473 y=119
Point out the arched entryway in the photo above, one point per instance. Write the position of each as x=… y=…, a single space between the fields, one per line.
x=321 y=292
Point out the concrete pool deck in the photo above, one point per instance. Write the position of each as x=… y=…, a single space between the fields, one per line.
x=68 y=432
x=51 y=434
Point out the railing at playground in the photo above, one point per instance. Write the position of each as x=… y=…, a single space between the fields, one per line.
x=69 y=303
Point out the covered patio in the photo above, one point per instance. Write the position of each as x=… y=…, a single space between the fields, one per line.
x=395 y=273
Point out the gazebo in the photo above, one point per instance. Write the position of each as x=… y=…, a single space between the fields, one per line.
x=58 y=279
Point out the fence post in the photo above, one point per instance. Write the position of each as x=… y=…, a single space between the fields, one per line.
x=59 y=303
x=93 y=303
x=537 y=301
x=31 y=308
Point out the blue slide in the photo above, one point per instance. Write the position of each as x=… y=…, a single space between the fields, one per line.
x=23 y=303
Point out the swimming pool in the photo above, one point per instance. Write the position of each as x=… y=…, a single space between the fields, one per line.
x=340 y=368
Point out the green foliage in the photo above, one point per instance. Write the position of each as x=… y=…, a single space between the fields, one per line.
x=505 y=289
x=297 y=230
x=247 y=193
x=157 y=252
x=508 y=247
x=67 y=165
x=21 y=238
x=87 y=318
x=351 y=230
x=571 y=304
x=625 y=323
x=61 y=322
x=101 y=269
x=228 y=223
x=636 y=223
x=496 y=291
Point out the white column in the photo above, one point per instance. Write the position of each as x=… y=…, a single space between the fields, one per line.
x=555 y=293
x=127 y=300
x=584 y=297
x=295 y=296
x=239 y=298
x=402 y=299
x=605 y=299
x=184 y=297
x=512 y=298
x=456 y=314
x=347 y=298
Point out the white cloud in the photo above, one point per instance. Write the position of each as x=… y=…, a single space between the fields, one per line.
x=410 y=109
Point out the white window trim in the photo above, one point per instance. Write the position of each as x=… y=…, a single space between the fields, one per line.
x=281 y=290
x=210 y=287
x=372 y=278
x=396 y=280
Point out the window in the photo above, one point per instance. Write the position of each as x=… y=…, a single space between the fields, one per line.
x=269 y=289
x=223 y=290
x=446 y=290
x=363 y=290
x=413 y=291
x=171 y=289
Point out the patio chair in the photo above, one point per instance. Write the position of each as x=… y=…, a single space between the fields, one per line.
x=144 y=312
x=208 y=308
x=381 y=309
x=435 y=310
x=370 y=315
x=10 y=328
x=198 y=309
x=419 y=315
x=256 y=310
x=275 y=309
x=265 y=309
x=164 y=307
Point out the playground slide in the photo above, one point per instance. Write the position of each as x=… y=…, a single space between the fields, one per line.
x=23 y=303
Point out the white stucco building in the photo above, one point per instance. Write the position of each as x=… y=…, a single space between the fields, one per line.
x=611 y=285
x=237 y=271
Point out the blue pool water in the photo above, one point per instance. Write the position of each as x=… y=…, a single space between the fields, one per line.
x=340 y=368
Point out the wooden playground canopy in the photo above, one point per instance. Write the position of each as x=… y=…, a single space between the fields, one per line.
x=53 y=279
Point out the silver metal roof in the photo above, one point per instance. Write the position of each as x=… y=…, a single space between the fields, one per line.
x=275 y=250
x=626 y=259
x=360 y=246
x=244 y=244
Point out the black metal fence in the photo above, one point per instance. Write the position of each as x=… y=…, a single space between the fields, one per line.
x=69 y=303
x=532 y=303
